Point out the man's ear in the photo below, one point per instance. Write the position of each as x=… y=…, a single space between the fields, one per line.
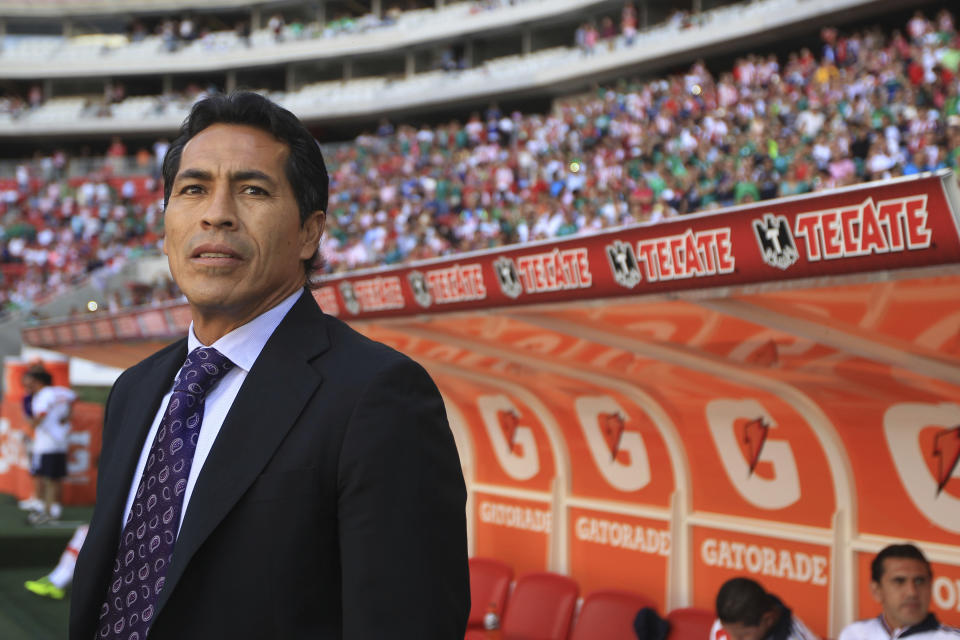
x=768 y=619
x=875 y=590
x=310 y=233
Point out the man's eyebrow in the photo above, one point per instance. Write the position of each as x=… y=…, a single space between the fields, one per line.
x=251 y=174
x=237 y=176
x=194 y=174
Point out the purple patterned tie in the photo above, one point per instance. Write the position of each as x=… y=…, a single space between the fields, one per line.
x=146 y=543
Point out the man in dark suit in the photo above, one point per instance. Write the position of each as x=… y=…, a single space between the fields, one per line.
x=308 y=486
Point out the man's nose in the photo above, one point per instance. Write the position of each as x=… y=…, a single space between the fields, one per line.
x=221 y=209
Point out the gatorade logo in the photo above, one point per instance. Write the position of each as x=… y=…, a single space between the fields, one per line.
x=924 y=441
x=620 y=455
x=763 y=470
x=946 y=450
x=513 y=443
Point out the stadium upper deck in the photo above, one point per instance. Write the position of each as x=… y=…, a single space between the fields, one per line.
x=420 y=60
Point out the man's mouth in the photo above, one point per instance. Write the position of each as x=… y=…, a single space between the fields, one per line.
x=217 y=252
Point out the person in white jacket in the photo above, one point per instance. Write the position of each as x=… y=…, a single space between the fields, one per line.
x=901 y=580
x=52 y=408
x=746 y=611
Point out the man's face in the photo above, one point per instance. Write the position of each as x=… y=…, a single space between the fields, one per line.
x=740 y=631
x=233 y=234
x=29 y=384
x=904 y=591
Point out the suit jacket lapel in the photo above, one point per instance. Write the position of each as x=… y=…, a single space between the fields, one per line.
x=267 y=405
x=137 y=417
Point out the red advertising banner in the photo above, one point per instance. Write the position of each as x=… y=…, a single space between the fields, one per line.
x=83 y=332
x=180 y=319
x=798 y=573
x=897 y=224
x=127 y=326
x=104 y=329
x=64 y=333
x=153 y=322
x=874 y=227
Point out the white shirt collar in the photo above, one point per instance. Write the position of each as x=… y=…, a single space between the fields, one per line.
x=244 y=344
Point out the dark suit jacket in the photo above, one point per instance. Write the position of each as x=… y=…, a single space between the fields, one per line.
x=332 y=503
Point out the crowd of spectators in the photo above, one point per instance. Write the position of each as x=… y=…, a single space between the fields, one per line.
x=175 y=33
x=56 y=233
x=869 y=105
x=592 y=33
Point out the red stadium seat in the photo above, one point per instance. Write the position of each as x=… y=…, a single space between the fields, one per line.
x=489 y=582
x=690 y=623
x=609 y=614
x=541 y=607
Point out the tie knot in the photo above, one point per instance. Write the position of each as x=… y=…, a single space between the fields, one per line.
x=203 y=368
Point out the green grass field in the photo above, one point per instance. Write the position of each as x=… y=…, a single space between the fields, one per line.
x=27 y=553
x=24 y=616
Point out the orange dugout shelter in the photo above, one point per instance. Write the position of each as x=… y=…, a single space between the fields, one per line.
x=771 y=390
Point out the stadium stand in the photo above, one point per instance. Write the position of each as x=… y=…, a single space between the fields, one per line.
x=871 y=106
x=652 y=150
x=530 y=61
x=59 y=232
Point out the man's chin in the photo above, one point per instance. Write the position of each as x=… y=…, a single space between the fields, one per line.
x=209 y=300
x=912 y=618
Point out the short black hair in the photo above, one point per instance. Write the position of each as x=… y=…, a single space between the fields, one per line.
x=743 y=600
x=41 y=375
x=905 y=550
x=306 y=171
